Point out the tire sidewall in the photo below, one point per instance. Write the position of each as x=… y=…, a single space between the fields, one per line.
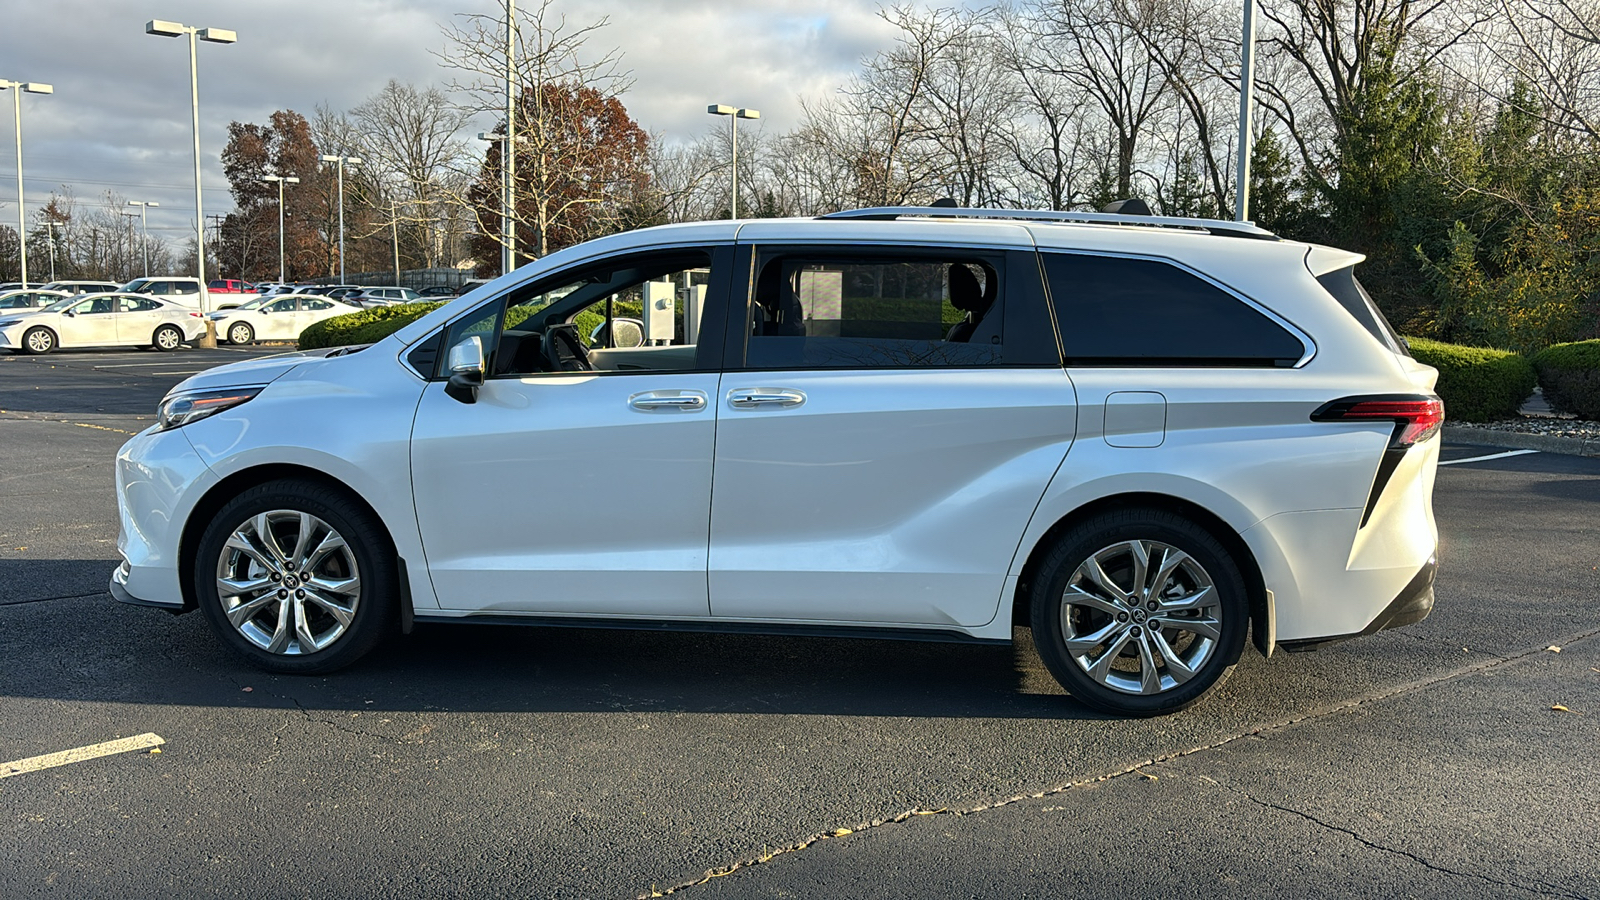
x=376 y=561
x=1105 y=530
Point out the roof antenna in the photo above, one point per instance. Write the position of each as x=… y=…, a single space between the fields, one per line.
x=944 y=203
x=1132 y=206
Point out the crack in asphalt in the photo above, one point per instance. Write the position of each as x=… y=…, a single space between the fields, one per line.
x=48 y=599
x=1494 y=661
x=1553 y=889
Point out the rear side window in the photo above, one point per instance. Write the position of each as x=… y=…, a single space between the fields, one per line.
x=1121 y=311
x=1347 y=289
x=830 y=311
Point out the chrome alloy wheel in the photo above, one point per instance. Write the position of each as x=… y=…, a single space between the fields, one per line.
x=288 y=582
x=40 y=341
x=1141 y=617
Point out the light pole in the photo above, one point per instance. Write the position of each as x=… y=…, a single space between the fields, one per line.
x=32 y=87
x=394 y=226
x=280 y=179
x=340 y=160
x=736 y=114
x=1247 y=85
x=50 y=235
x=144 y=224
x=508 y=260
x=215 y=36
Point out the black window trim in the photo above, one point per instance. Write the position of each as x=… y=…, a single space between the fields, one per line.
x=1309 y=346
x=999 y=257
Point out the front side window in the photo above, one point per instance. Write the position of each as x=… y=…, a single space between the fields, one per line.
x=632 y=314
x=96 y=306
x=824 y=311
x=1122 y=311
x=283 y=306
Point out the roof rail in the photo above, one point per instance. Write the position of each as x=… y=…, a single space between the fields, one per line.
x=1212 y=226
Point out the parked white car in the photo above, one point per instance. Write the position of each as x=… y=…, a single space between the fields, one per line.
x=29 y=299
x=276 y=318
x=1142 y=437
x=101 y=320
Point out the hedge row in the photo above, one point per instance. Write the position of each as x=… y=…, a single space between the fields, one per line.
x=365 y=327
x=1477 y=384
x=1570 y=377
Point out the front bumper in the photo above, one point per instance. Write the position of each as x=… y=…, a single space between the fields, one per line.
x=160 y=477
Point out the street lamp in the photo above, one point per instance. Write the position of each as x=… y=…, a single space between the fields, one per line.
x=280 y=179
x=144 y=224
x=341 y=160
x=737 y=114
x=215 y=36
x=32 y=87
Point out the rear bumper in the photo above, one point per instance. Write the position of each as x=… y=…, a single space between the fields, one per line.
x=1410 y=606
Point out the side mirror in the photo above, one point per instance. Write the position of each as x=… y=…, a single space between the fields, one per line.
x=71 y=314
x=466 y=370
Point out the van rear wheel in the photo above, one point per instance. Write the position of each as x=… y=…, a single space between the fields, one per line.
x=1139 y=612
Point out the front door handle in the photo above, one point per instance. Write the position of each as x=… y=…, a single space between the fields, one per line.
x=681 y=401
x=768 y=398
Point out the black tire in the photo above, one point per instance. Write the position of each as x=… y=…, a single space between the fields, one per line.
x=1117 y=682
x=38 y=341
x=241 y=333
x=167 y=337
x=374 y=568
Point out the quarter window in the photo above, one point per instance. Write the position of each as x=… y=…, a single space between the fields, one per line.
x=1121 y=311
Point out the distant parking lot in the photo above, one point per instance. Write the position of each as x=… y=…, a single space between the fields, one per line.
x=1452 y=758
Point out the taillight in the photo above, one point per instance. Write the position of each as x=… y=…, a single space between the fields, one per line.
x=1416 y=417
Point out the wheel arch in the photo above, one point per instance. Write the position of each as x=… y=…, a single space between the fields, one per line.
x=210 y=503
x=1231 y=540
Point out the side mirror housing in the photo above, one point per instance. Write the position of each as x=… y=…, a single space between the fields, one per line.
x=466 y=370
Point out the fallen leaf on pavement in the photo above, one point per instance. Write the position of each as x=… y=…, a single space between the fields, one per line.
x=247 y=690
x=1559 y=708
x=841 y=832
x=1553 y=648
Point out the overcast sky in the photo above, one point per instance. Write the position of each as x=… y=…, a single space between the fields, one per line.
x=119 y=119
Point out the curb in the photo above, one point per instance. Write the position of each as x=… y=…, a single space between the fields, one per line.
x=1548 y=443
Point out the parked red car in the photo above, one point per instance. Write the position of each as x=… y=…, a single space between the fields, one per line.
x=230 y=286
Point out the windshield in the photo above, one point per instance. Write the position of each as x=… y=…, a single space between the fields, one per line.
x=255 y=303
x=60 y=305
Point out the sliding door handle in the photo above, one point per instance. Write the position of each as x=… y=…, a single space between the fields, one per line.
x=682 y=401
x=765 y=398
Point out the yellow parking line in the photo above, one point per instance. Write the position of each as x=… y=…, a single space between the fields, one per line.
x=93 y=751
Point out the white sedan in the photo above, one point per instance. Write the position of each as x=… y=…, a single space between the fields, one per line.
x=276 y=319
x=101 y=320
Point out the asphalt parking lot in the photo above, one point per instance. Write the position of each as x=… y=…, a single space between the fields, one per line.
x=1456 y=757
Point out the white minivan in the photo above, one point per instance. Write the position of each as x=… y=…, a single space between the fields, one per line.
x=1143 y=438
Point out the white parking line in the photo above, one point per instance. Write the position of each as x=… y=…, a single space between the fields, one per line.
x=134 y=365
x=93 y=751
x=1457 y=462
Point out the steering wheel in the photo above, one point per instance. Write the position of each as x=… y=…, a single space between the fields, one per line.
x=563 y=352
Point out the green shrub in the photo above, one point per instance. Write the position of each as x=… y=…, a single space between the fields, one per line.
x=365 y=327
x=1570 y=376
x=1477 y=384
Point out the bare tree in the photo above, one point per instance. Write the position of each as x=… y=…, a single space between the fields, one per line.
x=409 y=136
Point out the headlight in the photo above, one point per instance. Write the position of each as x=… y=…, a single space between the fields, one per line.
x=7 y=323
x=181 y=409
